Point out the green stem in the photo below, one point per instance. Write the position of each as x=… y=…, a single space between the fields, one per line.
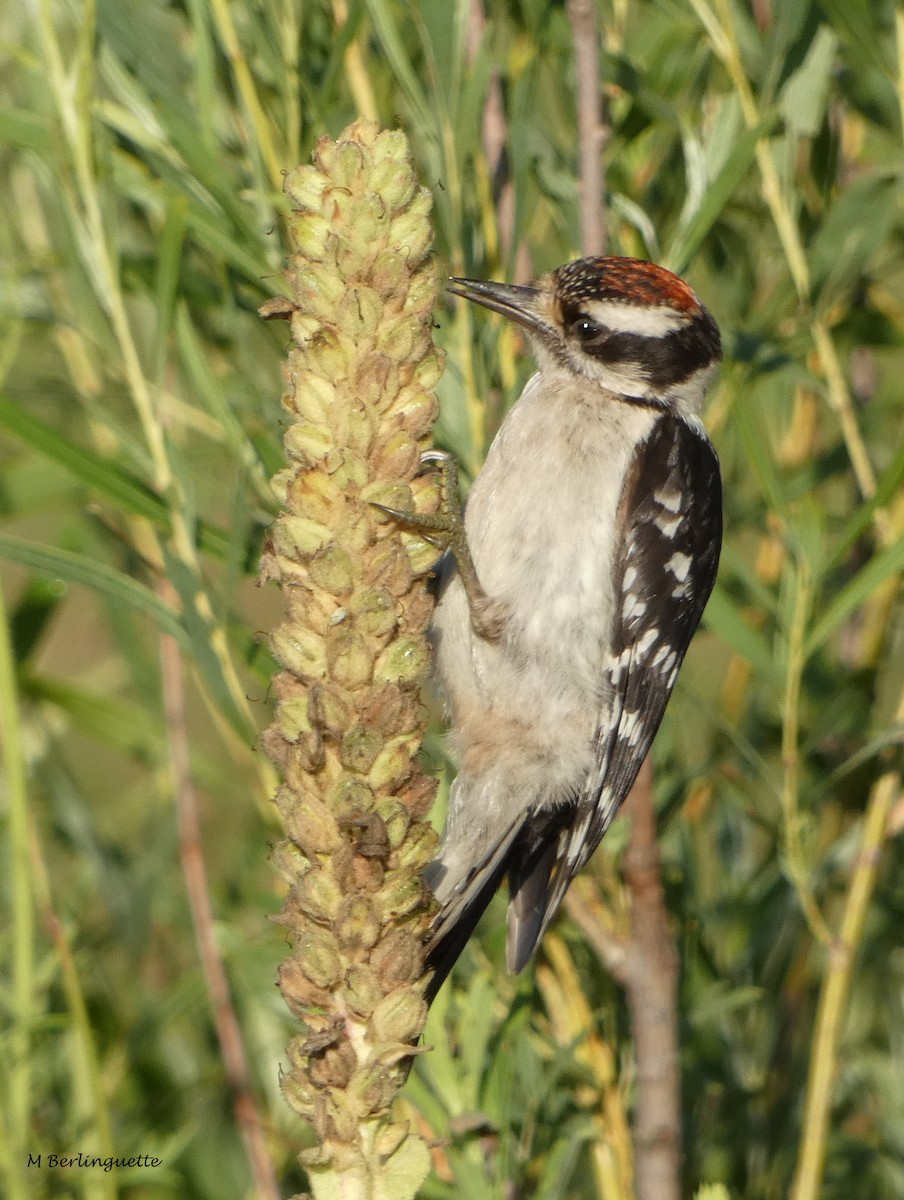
x=103 y=270
x=836 y=986
x=797 y=867
x=18 y=1088
x=720 y=29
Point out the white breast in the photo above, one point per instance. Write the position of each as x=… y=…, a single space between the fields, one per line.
x=540 y=522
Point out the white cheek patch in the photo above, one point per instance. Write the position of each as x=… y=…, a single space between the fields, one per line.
x=687 y=395
x=621 y=379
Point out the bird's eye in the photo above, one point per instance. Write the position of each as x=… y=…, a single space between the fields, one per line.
x=584 y=329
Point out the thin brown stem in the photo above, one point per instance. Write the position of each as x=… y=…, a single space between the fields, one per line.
x=652 y=989
x=590 y=917
x=494 y=129
x=593 y=131
x=646 y=965
x=195 y=873
x=494 y=134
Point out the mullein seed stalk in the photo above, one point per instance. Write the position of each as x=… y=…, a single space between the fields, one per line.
x=349 y=721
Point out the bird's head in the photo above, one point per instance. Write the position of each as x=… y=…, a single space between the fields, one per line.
x=631 y=327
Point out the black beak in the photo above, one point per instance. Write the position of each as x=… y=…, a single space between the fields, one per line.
x=517 y=303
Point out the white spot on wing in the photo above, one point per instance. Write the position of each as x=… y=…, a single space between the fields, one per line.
x=662 y=657
x=668 y=663
x=630 y=727
x=679 y=564
x=646 y=643
x=669 y=499
x=668 y=526
x=633 y=606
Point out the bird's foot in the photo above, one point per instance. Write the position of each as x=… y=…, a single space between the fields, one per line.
x=445 y=529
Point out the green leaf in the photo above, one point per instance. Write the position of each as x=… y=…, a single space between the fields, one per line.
x=560 y=1163
x=198 y=631
x=712 y=1191
x=724 y=617
x=805 y=96
x=97 y=473
x=75 y=568
x=721 y=1000
x=857 y=525
x=391 y=41
x=24 y=129
x=479 y=1021
x=172 y=238
x=755 y=443
x=854 y=229
x=858 y=18
x=103 y=476
x=111 y=719
x=891 y=737
x=734 y=563
x=697 y=224
x=33 y=613
x=884 y=566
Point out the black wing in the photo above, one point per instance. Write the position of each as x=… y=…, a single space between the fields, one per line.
x=671 y=521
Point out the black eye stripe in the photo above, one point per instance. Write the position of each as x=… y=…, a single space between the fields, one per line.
x=663 y=359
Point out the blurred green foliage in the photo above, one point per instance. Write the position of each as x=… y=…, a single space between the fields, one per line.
x=756 y=148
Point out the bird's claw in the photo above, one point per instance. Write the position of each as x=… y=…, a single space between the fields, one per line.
x=446 y=530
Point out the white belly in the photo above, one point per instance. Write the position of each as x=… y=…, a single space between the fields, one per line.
x=540 y=521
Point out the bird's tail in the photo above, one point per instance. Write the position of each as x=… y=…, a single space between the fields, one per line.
x=463 y=889
x=530 y=856
x=531 y=906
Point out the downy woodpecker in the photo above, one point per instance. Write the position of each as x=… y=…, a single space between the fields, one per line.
x=589 y=548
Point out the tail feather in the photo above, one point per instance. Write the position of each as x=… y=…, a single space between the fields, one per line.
x=529 y=889
x=463 y=901
x=539 y=868
x=538 y=879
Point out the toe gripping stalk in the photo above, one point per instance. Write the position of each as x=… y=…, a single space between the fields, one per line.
x=445 y=529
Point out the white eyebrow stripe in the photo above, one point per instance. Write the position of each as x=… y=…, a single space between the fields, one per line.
x=635 y=318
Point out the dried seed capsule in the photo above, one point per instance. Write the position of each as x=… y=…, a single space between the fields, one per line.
x=352 y=648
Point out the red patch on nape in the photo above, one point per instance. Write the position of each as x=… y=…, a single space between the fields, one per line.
x=627 y=280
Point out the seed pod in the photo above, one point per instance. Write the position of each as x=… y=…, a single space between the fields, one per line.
x=352 y=649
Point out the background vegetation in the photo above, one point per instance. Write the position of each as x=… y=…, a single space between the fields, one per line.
x=759 y=150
